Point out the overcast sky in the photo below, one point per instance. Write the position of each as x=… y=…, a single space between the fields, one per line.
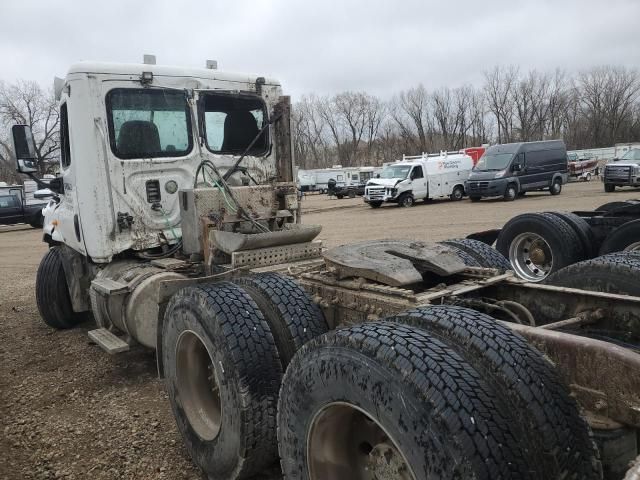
x=322 y=46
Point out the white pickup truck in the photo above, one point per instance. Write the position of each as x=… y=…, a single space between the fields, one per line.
x=623 y=172
x=422 y=177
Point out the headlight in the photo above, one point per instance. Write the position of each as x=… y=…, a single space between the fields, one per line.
x=636 y=170
x=500 y=174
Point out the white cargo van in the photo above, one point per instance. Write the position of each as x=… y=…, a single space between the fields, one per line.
x=422 y=177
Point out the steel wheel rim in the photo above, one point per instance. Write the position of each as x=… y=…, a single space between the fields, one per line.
x=344 y=443
x=531 y=257
x=197 y=386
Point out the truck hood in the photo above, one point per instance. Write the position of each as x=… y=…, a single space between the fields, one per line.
x=623 y=164
x=384 y=182
x=479 y=175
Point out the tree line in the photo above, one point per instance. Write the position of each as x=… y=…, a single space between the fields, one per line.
x=594 y=108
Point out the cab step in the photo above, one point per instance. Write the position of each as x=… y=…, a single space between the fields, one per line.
x=107 y=287
x=109 y=342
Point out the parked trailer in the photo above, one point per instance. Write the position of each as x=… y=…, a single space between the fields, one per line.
x=582 y=168
x=429 y=374
x=318 y=179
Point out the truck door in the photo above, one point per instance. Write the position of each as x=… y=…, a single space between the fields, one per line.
x=150 y=145
x=68 y=228
x=534 y=173
x=10 y=209
x=418 y=183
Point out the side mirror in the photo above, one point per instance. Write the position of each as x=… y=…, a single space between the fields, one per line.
x=24 y=147
x=516 y=167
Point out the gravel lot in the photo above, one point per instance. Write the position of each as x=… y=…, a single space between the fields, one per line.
x=68 y=410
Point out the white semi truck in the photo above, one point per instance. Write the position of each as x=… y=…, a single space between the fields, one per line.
x=175 y=226
x=422 y=177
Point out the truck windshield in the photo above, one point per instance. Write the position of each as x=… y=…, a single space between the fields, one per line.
x=493 y=162
x=148 y=123
x=633 y=155
x=232 y=122
x=395 y=171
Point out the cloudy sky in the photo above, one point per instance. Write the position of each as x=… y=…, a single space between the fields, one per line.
x=323 y=46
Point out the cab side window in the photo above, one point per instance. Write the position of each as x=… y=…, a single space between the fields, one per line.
x=416 y=173
x=65 y=148
x=8 y=201
x=148 y=123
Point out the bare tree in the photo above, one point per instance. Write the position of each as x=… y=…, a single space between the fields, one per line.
x=414 y=103
x=26 y=103
x=499 y=85
x=595 y=108
x=530 y=99
x=452 y=113
x=480 y=130
x=607 y=97
x=559 y=100
x=375 y=113
x=312 y=146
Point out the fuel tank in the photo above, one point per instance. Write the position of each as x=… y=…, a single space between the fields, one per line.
x=124 y=296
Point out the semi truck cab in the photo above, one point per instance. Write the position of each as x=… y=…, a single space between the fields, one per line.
x=134 y=135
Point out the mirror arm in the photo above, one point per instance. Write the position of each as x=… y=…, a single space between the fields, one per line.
x=54 y=185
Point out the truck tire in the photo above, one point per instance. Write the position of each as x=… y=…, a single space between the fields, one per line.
x=375 y=204
x=457 y=193
x=352 y=194
x=614 y=205
x=612 y=273
x=467 y=259
x=624 y=238
x=609 y=187
x=395 y=401
x=292 y=316
x=544 y=416
x=538 y=244
x=339 y=196
x=222 y=374
x=52 y=293
x=485 y=255
x=406 y=200
x=556 y=187
x=583 y=230
x=510 y=193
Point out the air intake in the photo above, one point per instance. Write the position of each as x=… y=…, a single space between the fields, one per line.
x=153 y=191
